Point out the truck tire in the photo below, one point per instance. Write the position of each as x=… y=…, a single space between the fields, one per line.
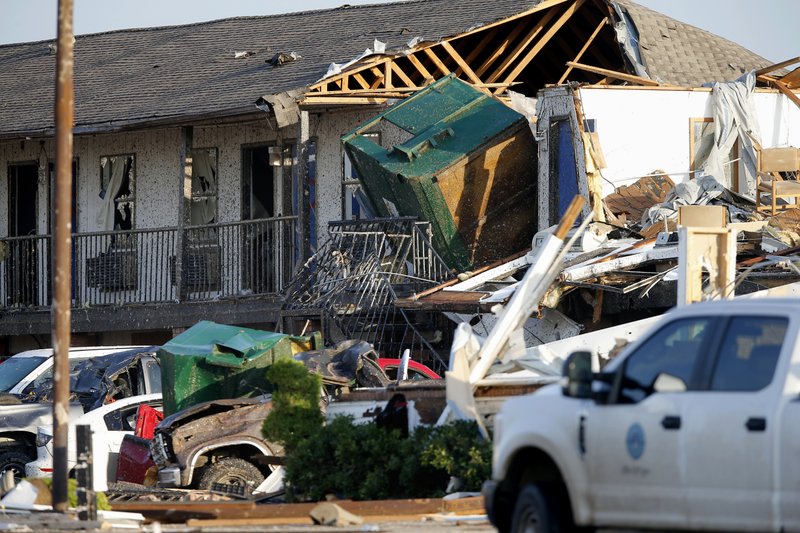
x=534 y=512
x=15 y=460
x=241 y=475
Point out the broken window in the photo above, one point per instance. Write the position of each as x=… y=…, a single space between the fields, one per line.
x=355 y=205
x=204 y=186
x=701 y=138
x=117 y=189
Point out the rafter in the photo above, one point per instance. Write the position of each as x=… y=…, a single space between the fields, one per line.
x=436 y=61
x=420 y=67
x=461 y=63
x=520 y=66
x=400 y=74
x=509 y=59
x=499 y=50
x=585 y=47
x=615 y=75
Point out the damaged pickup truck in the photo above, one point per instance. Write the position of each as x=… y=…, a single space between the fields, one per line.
x=216 y=443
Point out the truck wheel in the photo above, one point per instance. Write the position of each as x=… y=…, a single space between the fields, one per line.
x=15 y=461
x=237 y=473
x=534 y=513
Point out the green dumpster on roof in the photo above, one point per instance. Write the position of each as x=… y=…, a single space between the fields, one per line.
x=212 y=361
x=462 y=160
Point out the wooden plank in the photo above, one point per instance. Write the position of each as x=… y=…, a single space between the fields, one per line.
x=402 y=75
x=614 y=74
x=583 y=50
x=783 y=89
x=537 y=47
x=420 y=67
x=500 y=50
x=542 y=6
x=510 y=58
x=361 y=81
x=777 y=66
x=463 y=64
x=490 y=35
x=344 y=100
x=387 y=75
x=451 y=282
x=436 y=61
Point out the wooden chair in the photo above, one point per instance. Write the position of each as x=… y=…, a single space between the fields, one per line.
x=776 y=176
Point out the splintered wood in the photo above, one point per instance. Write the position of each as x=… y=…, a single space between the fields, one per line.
x=633 y=200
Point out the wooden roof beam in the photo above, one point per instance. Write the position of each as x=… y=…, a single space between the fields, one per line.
x=463 y=64
x=436 y=61
x=582 y=51
x=782 y=88
x=510 y=58
x=500 y=50
x=615 y=75
x=426 y=75
x=571 y=10
x=776 y=66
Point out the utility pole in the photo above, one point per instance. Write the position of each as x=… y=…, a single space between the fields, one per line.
x=62 y=244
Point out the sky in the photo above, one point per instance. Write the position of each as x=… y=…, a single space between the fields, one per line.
x=767 y=27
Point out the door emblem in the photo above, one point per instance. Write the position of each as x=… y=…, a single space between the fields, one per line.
x=635 y=441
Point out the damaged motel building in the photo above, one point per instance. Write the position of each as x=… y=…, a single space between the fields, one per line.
x=209 y=164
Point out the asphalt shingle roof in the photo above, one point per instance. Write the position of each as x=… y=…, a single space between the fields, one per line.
x=681 y=54
x=181 y=71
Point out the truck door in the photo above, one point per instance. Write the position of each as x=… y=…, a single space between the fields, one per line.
x=730 y=430
x=633 y=443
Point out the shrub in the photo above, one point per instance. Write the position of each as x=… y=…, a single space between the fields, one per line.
x=362 y=461
x=295 y=414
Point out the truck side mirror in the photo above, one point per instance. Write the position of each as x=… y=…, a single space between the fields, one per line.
x=578 y=371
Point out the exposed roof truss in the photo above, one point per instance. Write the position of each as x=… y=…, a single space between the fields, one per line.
x=551 y=43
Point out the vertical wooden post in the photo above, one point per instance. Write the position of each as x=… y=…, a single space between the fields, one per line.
x=62 y=242
x=184 y=210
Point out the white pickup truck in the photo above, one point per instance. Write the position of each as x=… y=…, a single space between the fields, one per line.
x=695 y=426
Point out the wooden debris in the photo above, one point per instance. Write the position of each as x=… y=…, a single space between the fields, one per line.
x=330 y=514
x=633 y=200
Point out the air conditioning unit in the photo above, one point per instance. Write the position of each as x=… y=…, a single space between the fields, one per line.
x=201 y=269
x=113 y=271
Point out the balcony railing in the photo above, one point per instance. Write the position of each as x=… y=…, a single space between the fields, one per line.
x=245 y=258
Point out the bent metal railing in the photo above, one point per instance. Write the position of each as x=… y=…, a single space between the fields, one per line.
x=236 y=259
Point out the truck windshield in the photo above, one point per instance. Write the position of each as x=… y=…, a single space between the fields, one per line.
x=14 y=369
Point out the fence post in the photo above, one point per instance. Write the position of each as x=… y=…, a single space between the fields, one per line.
x=87 y=499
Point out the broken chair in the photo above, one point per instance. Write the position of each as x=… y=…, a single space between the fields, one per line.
x=776 y=178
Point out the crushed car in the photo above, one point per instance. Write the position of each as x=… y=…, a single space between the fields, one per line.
x=94 y=380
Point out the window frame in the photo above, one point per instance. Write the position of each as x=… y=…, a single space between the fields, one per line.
x=132 y=180
x=699 y=377
x=693 y=145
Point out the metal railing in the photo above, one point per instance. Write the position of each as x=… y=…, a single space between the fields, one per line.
x=254 y=257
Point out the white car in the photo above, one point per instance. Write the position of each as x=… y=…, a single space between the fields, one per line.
x=109 y=424
x=36 y=366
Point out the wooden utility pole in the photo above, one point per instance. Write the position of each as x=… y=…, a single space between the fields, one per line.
x=62 y=244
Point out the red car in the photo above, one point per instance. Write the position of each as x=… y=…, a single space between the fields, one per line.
x=415 y=370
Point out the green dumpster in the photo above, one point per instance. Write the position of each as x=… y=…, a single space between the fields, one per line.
x=464 y=161
x=212 y=361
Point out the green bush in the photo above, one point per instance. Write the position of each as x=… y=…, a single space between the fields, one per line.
x=295 y=414
x=364 y=462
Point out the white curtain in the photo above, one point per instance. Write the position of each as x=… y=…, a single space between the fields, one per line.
x=105 y=217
